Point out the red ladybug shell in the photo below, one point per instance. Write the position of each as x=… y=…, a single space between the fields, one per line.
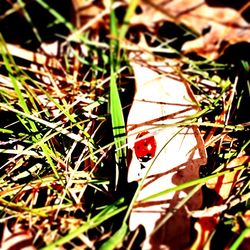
x=146 y=147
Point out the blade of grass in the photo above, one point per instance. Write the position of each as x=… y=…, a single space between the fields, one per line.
x=129 y=13
x=29 y=20
x=20 y=207
x=240 y=239
x=116 y=239
x=59 y=18
x=55 y=126
x=115 y=107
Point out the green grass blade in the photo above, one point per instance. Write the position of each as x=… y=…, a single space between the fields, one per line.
x=29 y=20
x=115 y=240
x=115 y=107
x=117 y=120
x=194 y=182
x=59 y=18
x=240 y=239
x=129 y=13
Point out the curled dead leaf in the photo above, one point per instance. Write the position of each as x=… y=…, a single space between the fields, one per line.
x=204 y=227
x=210 y=20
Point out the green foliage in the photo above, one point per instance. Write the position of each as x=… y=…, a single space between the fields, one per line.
x=115 y=107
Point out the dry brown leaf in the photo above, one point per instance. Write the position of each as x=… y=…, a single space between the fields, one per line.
x=219 y=23
x=159 y=103
x=16 y=238
x=36 y=58
x=85 y=11
x=204 y=227
x=245 y=218
x=224 y=184
x=207 y=224
x=208 y=218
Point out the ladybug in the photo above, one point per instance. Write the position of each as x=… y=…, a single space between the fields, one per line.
x=145 y=147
